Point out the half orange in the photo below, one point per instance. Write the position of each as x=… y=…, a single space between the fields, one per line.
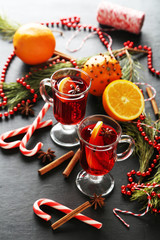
x=123 y=100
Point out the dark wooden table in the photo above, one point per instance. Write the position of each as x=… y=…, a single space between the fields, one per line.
x=20 y=184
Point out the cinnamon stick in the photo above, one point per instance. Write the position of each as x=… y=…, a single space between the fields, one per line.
x=153 y=101
x=72 y=163
x=63 y=55
x=55 y=163
x=70 y=215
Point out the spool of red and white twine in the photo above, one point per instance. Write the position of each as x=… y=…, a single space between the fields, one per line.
x=120 y=17
x=30 y=131
x=18 y=131
x=62 y=208
x=136 y=187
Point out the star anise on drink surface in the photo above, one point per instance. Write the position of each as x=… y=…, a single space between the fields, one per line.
x=108 y=134
x=74 y=89
x=26 y=109
x=97 y=201
x=46 y=156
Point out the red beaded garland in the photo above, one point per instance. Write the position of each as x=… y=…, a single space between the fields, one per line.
x=148 y=171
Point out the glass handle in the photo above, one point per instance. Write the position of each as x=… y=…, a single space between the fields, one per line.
x=126 y=153
x=43 y=92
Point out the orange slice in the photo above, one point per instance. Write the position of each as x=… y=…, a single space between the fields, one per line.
x=66 y=85
x=95 y=132
x=123 y=100
x=91 y=155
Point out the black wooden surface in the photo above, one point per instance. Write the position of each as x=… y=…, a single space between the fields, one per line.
x=20 y=184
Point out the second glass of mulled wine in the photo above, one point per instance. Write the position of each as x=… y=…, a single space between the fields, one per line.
x=99 y=137
x=70 y=89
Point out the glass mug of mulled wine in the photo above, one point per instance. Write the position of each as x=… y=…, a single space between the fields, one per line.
x=70 y=89
x=99 y=138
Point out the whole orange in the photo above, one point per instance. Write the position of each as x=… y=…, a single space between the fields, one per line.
x=34 y=43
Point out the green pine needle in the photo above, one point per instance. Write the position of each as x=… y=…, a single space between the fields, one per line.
x=7 y=28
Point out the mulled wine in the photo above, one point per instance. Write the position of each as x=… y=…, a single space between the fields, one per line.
x=69 y=99
x=98 y=160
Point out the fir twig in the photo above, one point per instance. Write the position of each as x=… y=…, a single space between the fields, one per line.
x=7 y=28
x=15 y=92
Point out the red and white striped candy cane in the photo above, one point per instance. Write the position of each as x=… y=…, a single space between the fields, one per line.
x=62 y=208
x=137 y=187
x=18 y=131
x=30 y=131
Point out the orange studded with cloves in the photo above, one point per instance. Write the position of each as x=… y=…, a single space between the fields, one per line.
x=102 y=69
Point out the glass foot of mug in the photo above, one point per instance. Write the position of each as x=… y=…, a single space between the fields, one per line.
x=65 y=135
x=90 y=184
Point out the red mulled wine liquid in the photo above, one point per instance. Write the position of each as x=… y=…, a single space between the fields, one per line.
x=95 y=160
x=70 y=109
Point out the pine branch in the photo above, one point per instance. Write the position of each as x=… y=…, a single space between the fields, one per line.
x=7 y=28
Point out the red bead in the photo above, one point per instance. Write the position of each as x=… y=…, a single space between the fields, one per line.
x=146 y=138
x=28 y=100
x=11 y=112
x=138 y=173
x=154 y=161
x=150 y=142
x=152 y=165
x=150 y=169
x=23 y=102
x=34 y=100
x=123 y=191
x=28 y=86
x=24 y=84
x=128 y=174
x=139 y=47
x=130 y=179
x=153 y=70
x=158 y=195
x=18 y=105
x=143 y=174
x=35 y=95
x=32 y=90
x=6 y=114
x=153 y=194
x=145 y=47
x=143 y=134
x=147 y=173
x=15 y=109
x=129 y=193
x=133 y=172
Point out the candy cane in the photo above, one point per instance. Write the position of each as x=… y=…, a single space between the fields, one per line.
x=138 y=187
x=30 y=131
x=15 y=132
x=62 y=208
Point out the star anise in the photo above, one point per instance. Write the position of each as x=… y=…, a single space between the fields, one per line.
x=108 y=135
x=26 y=109
x=97 y=201
x=46 y=156
x=74 y=89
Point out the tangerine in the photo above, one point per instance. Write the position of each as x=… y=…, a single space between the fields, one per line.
x=34 y=43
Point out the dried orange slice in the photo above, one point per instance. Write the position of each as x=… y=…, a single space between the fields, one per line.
x=66 y=85
x=123 y=100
